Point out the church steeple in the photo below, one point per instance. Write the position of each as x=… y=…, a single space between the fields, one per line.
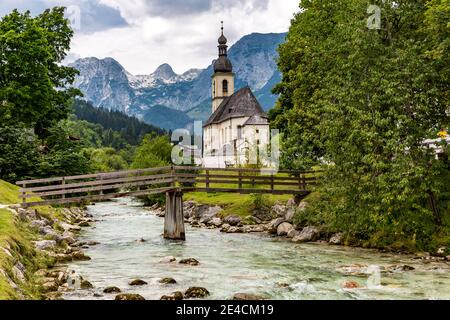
x=223 y=77
x=223 y=64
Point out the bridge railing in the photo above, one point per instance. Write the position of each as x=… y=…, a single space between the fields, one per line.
x=103 y=186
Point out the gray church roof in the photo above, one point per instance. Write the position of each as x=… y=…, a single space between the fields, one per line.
x=241 y=104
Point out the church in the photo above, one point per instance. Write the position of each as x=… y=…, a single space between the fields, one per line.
x=238 y=126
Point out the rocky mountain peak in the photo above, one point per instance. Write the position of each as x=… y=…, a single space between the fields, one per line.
x=164 y=72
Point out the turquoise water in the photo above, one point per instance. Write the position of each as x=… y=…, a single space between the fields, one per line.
x=232 y=263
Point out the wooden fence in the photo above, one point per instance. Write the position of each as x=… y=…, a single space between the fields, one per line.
x=103 y=186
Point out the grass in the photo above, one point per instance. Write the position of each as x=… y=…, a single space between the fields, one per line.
x=17 y=238
x=233 y=204
x=241 y=205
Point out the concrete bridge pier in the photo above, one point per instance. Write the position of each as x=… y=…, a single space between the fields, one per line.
x=174 y=218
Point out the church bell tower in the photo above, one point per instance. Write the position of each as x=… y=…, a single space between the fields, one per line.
x=223 y=77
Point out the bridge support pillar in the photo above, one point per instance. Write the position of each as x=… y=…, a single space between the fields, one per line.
x=174 y=218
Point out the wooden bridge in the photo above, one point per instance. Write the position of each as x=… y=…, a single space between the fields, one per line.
x=173 y=181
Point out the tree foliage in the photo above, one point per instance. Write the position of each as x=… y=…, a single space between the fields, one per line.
x=34 y=86
x=363 y=101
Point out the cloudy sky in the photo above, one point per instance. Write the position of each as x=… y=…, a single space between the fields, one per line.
x=142 y=34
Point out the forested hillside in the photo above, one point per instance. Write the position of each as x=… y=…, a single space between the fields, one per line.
x=130 y=128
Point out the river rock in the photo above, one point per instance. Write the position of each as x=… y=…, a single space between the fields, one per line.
x=351 y=285
x=37 y=224
x=190 y=261
x=137 y=282
x=355 y=269
x=70 y=227
x=49 y=286
x=441 y=251
x=336 y=238
x=129 y=296
x=112 y=289
x=292 y=233
x=307 y=234
x=93 y=243
x=289 y=214
x=54 y=295
x=18 y=271
x=45 y=244
x=284 y=228
x=80 y=256
x=273 y=225
x=253 y=228
x=235 y=230
x=399 y=267
x=232 y=220
x=216 y=222
x=225 y=227
x=196 y=292
x=247 y=296
x=279 y=210
x=168 y=259
x=86 y=284
x=177 y=295
x=167 y=280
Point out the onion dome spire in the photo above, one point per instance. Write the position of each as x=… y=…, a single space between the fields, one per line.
x=223 y=64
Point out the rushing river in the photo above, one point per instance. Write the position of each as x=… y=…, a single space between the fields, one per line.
x=231 y=263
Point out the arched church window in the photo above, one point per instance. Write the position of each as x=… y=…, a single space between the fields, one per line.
x=225 y=86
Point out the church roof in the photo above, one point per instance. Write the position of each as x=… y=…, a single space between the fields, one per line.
x=256 y=119
x=241 y=104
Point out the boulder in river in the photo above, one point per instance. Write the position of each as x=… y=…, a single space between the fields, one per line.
x=284 y=228
x=137 y=282
x=216 y=222
x=225 y=227
x=190 y=261
x=86 y=284
x=351 y=284
x=247 y=296
x=177 y=295
x=167 y=280
x=232 y=220
x=336 y=238
x=307 y=234
x=112 y=289
x=292 y=233
x=129 y=296
x=80 y=256
x=273 y=225
x=196 y=292
x=168 y=259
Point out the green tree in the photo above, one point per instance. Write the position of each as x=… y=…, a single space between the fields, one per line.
x=18 y=153
x=154 y=151
x=34 y=85
x=364 y=101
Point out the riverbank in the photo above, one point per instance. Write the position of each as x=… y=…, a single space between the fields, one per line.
x=33 y=244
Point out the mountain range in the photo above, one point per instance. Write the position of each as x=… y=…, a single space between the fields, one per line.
x=170 y=100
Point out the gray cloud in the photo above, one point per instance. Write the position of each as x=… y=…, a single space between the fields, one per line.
x=173 y=8
x=94 y=16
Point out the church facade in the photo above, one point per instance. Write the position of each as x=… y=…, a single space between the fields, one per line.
x=238 y=126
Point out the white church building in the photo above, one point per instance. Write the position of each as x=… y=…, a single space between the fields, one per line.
x=238 y=126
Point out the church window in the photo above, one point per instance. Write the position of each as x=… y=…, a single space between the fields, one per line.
x=225 y=86
x=239 y=132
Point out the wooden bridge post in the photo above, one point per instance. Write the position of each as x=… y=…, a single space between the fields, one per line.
x=174 y=218
x=24 y=194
